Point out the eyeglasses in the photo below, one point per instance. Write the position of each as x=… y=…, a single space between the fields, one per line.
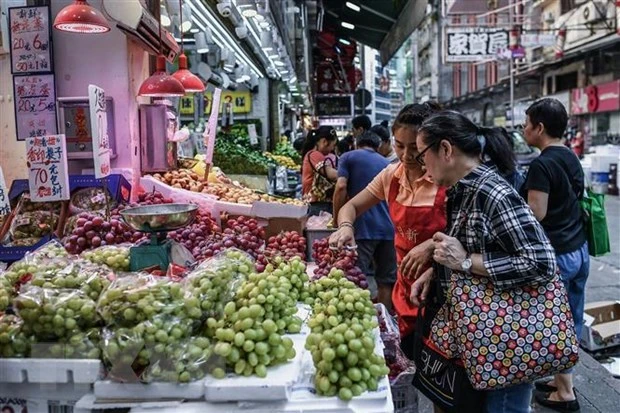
x=420 y=158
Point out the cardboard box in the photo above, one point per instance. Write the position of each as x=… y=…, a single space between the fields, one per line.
x=601 y=325
x=276 y=225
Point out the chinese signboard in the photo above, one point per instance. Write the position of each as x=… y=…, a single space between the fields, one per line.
x=241 y=101
x=596 y=98
x=186 y=105
x=5 y=207
x=48 y=176
x=29 y=30
x=35 y=105
x=472 y=44
x=99 y=131
x=334 y=106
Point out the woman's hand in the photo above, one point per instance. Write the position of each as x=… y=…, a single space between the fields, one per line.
x=448 y=251
x=417 y=259
x=421 y=287
x=343 y=237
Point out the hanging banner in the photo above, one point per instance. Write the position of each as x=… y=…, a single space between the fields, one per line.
x=5 y=206
x=99 y=131
x=241 y=101
x=29 y=38
x=48 y=176
x=473 y=44
x=211 y=127
x=35 y=105
x=252 y=134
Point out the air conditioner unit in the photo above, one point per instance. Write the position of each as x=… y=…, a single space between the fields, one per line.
x=133 y=18
x=594 y=12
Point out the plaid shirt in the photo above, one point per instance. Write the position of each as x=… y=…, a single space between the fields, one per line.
x=500 y=226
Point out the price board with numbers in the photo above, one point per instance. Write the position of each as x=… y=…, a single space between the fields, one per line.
x=35 y=105
x=30 y=39
x=48 y=176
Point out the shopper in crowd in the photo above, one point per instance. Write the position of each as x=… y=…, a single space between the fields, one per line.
x=510 y=171
x=553 y=188
x=495 y=233
x=416 y=207
x=386 y=148
x=360 y=125
x=319 y=169
x=374 y=233
x=384 y=124
x=298 y=144
x=345 y=145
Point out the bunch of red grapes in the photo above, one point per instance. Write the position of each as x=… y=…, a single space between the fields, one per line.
x=287 y=245
x=343 y=259
x=197 y=236
x=242 y=233
x=92 y=231
x=153 y=198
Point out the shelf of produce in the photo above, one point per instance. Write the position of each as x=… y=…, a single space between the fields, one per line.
x=107 y=389
x=205 y=201
x=276 y=386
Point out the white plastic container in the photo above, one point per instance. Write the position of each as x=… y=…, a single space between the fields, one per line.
x=107 y=389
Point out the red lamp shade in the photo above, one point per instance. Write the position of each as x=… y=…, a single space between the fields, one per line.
x=160 y=83
x=79 y=17
x=190 y=81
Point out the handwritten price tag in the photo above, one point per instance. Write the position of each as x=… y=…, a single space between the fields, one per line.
x=99 y=131
x=29 y=30
x=5 y=207
x=48 y=176
x=35 y=105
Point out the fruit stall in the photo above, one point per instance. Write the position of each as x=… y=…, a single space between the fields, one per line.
x=181 y=305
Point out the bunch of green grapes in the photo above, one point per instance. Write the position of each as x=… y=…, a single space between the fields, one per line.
x=50 y=314
x=76 y=345
x=342 y=341
x=135 y=298
x=114 y=256
x=209 y=287
x=7 y=291
x=248 y=341
x=182 y=362
x=13 y=342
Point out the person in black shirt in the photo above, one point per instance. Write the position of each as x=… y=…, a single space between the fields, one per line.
x=553 y=188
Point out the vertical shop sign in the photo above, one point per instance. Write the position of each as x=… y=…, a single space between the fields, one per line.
x=35 y=105
x=99 y=131
x=211 y=128
x=48 y=176
x=5 y=207
x=29 y=37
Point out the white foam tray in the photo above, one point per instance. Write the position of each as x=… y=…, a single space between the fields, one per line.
x=50 y=371
x=107 y=389
x=276 y=386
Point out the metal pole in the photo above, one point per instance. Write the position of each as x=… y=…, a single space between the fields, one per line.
x=363 y=63
x=512 y=93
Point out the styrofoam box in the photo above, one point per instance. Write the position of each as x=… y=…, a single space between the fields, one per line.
x=276 y=386
x=49 y=371
x=39 y=397
x=107 y=389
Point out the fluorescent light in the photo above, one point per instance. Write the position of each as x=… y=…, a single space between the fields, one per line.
x=187 y=18
x=353 y=6
x=279 y=63
x=283 y=72
x=344 y=41
x=194 y=30
x=201 y=43
x=348 y=25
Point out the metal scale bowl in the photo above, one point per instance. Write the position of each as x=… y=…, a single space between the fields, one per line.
x=156 y=220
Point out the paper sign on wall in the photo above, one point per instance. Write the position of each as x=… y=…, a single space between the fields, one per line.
x=211 y=128
x=29 y=31
x=252 y=134
x=5 y=207
x=99 y=131
x=48 y=176
x=35 y=105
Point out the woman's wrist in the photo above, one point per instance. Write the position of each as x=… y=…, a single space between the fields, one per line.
x=345 y=224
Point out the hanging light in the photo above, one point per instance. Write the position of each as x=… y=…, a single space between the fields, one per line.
x=201 y=43
x=160 y=83
x=247 y=8
x=190 y=82
x=80 y=17
x=164 y=16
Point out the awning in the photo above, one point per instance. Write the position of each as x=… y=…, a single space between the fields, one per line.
x=381 y=24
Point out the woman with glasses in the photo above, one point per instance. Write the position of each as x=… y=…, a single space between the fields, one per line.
x=416 y=207
x=319 y=170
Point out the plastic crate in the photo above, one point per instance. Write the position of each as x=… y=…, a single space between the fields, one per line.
x=404 y=395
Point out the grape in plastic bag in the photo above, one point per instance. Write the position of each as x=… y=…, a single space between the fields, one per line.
x=114 y=256
x=35 y=224
x=13 y=342
x=76 y=345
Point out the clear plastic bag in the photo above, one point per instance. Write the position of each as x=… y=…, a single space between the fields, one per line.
x=13 y=342
x=76 y=345
x=28 y=206
x=36 y=224
x=90 y=200
x=114 y=256
x=50 y=314
x=213 y=283
x=122 y=352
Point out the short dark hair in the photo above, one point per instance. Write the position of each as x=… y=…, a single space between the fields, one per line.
x=298 y=144
x=382 y=132
x=551 y=113
x=368 y=139
x=384 y=123
x=362 y=121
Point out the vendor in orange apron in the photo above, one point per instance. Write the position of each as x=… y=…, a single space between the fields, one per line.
x=413 y=225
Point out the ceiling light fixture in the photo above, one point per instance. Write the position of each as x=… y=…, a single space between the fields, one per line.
x=191 y=83
x=186 y=22
x=80 y=17
x=348 y=25
x=247 y=8
x=353 y=6
x=344 y=41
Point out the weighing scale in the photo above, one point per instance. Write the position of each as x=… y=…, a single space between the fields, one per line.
x=156 y=220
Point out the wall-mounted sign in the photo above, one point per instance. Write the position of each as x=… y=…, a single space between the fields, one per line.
x=596 y=98
x=99 y=131
x=35 y=105
x=186 y=105
x=48 y=176
x=241 y=101
x=334 y=106
x=30 y=39
x=472 y=44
